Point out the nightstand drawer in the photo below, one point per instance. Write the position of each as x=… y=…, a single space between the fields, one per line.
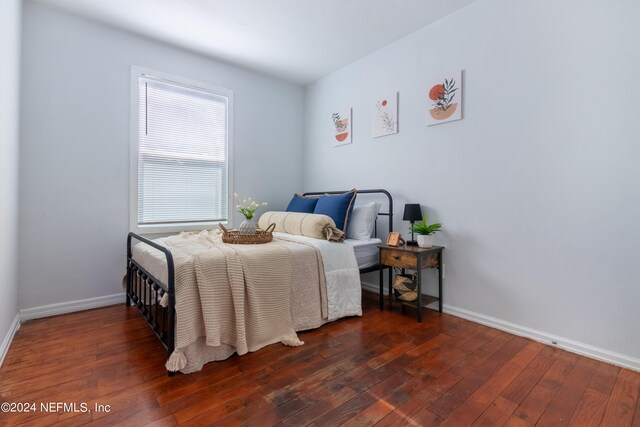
x=398 y=258
x=430 y=262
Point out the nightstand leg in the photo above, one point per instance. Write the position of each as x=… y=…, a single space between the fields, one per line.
x=419 y=287
x=440 y=281
x=381 y=288
x=390 y=287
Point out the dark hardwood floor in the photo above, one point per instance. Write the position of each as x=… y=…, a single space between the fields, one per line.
x=381 y=368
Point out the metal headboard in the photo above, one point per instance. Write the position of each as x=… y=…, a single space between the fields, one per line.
x=389 y=212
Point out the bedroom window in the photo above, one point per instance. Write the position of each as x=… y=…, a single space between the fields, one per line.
x=180 y=155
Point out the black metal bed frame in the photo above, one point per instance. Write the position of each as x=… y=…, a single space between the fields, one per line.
x=389 y=213
x=145 y=291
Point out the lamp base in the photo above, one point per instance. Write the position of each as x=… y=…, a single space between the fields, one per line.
x=412 y=243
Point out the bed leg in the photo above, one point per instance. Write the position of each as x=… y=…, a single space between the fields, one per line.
x=128 y=301
x=171 y=313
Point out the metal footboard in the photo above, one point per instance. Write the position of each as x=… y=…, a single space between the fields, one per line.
x=145 y=292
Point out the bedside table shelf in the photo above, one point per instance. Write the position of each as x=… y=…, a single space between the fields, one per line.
x=413 y=258
x=426 y=300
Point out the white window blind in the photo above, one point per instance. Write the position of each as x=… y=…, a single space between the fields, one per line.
x=182 y=154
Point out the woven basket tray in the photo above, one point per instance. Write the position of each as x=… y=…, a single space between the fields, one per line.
x=234 y=236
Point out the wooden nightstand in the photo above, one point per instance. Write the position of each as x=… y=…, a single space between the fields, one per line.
x=414 y=258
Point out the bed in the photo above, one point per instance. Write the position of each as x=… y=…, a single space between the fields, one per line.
x=151 y=286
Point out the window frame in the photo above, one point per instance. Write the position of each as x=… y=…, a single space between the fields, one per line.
x=137 y=72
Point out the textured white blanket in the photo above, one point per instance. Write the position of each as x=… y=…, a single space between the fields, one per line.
x=342 y=275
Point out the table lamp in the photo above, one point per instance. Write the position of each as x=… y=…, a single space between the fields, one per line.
x=412 y=213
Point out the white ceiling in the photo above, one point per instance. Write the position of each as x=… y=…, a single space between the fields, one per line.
x=299 y=40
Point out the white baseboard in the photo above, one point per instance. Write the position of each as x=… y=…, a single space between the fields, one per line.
x=70 y=306
x=6 y=343
x=543 y=337
x=546 y=338
x=373 y=288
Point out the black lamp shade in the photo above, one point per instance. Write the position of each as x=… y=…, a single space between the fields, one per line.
x=412 y=212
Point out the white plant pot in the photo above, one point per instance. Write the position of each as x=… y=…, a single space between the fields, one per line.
x=425 y=241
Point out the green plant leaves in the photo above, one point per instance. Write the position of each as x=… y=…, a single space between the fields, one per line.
x=424 y=229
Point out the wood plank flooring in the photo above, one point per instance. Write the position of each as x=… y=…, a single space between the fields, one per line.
x=383 y=369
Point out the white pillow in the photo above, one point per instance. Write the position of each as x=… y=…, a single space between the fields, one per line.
x=363 y=220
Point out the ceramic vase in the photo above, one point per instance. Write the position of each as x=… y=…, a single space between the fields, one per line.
x=247 y=227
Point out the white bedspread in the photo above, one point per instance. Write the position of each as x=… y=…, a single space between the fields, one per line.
x=344 y=292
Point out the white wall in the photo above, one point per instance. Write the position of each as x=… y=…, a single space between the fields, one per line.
x=9 y=83
x=74 y=188
x=538 y=187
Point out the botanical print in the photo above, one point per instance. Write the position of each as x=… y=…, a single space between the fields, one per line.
x=385 y=116
x=445 y=99
x=341 y=127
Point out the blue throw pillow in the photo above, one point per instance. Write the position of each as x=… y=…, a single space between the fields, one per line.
x=302 y=204
x=338 y=207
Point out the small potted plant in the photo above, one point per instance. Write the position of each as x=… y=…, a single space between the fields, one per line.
x=425 y=232
x=248 y=209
